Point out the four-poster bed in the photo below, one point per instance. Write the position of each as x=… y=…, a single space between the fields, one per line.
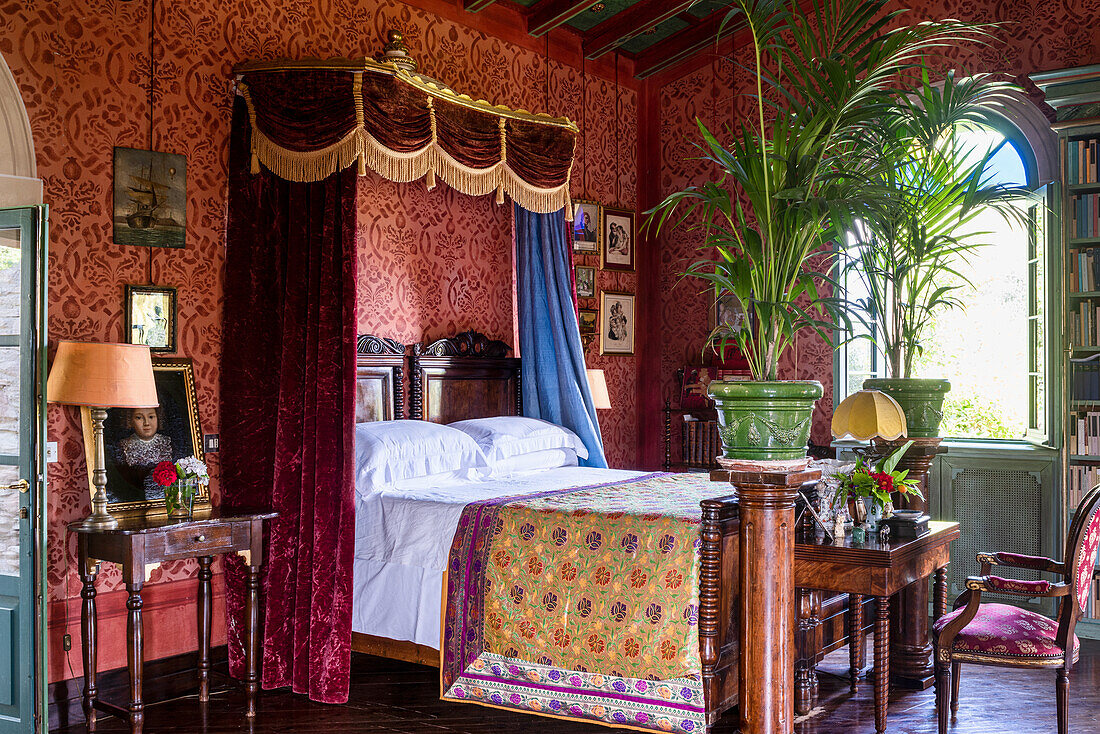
x=469 y=376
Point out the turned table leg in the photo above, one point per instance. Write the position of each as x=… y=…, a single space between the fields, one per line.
x=855 y=639
x=205 y=613
x=940 y=599
x=882 y=662
x=252 y=610
x=88 y=628
x=807 y=645
x=135 y=654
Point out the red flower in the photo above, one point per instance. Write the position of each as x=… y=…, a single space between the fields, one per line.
x=164 y=474
x=885 y=481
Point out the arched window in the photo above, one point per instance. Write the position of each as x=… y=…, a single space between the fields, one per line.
x=993 y=350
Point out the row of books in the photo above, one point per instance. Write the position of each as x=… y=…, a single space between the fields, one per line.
x=1080 y=479
x=701 y=442
x=1092 y=606
x=1084 y=270
x=1084 y=433
x=1081 y=161
x=1084 y=215
x=1083 y=320
x=1085 y=376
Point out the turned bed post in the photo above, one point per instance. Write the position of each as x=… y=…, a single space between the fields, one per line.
x=766 y=701
x=710 y=578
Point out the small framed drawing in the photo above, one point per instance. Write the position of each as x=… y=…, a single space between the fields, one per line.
x=137 y=439
x=617 y=232
x=727 y=310
x=150 y=198
x=586 y=281
x=616 y=323
x=151 y=317
x=589 y=321
x=586 y=226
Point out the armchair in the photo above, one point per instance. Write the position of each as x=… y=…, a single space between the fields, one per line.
x=1008 y=636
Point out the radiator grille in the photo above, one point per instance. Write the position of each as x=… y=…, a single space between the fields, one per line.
x=997 y=510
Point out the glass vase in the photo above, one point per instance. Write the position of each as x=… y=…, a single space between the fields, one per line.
x=179 y=497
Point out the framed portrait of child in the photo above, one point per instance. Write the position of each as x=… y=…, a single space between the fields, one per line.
x=135 y=440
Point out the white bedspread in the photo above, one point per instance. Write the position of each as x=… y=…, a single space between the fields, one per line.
x=402 y=540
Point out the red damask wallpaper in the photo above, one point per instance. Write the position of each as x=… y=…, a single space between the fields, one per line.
x=1034 y=36
x=432 y=262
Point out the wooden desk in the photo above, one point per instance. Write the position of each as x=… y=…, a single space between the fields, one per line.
x=138 y=542
x=879 y=571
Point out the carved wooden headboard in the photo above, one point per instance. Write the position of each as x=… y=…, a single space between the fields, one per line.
x=379 y=379
x=464 y=376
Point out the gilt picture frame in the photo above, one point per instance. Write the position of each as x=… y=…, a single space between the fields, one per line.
x=150 y=198
x=130 y=458
x=617 y=325
x=586 y=281
x=586 y=225
x=150 y=317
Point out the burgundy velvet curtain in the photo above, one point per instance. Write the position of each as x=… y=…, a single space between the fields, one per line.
x=287 y=409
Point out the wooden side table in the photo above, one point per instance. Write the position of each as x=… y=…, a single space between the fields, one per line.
x=881 y=571
x=138 y=542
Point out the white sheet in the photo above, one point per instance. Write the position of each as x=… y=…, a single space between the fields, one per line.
x=402 y=540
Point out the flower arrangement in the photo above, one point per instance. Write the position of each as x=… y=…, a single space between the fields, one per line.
x=180 y=481
x=877 y=482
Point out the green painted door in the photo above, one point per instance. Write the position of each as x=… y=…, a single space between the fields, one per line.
x=22 y=467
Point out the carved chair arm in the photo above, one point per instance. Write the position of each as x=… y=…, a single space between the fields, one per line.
x=1030 y=589
x=1017 y=560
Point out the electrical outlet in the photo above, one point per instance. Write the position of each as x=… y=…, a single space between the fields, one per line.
x=67 y=642
x=51 y=452
x=210 y=443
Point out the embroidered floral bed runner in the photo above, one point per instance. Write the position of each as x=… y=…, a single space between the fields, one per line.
x=581 y=603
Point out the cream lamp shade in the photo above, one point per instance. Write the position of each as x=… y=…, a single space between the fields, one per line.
x=869 y=414
x=102 y=376
x=597 y=383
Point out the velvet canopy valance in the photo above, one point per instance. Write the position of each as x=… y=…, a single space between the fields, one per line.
x=311 y=119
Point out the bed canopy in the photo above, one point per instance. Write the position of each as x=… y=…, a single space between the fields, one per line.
x=312 y=118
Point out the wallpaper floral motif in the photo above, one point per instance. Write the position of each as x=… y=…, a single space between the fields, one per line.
x=1033 y=36
x=433 y=262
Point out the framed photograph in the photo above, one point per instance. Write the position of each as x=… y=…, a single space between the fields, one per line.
x=137 y=439
x=586 y=281
x=727 y=309
x=586 y=226
x=151 y=317
x=589 y=321
x=150 y=198
x=618 y=233
x=616 y=323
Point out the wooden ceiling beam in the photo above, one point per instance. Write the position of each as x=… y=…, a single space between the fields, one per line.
x=547 y=15
x=683 y=45
x=473 y=6
x=630 y=23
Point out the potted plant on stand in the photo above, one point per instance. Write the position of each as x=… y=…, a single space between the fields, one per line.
x=822 y=78
x=909 y=243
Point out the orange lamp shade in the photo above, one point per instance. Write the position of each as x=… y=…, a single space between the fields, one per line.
x=102 y=376
x=869 y=414
x=597 y=383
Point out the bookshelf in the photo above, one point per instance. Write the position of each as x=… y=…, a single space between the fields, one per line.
x=1075 y=95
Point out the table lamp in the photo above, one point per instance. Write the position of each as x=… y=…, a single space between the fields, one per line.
x=101 y=376
x=597 y=383
x=869 y=414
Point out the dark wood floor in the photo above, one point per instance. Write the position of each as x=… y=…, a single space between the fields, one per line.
x=388 y=696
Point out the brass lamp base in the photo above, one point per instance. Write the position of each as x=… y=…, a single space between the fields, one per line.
x=100 y=519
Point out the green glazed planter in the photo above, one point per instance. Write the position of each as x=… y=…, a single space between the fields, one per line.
x=764 y=421
x=922 y=401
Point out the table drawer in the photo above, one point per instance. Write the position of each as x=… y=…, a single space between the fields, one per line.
x=198 y=541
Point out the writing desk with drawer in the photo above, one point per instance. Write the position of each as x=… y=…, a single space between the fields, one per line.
x=145 y=541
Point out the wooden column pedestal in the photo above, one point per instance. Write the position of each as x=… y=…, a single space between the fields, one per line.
x=910 y=642
x=766 y=703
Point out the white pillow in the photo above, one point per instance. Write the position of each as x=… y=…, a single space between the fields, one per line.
x=388 y=453
x=512 y=435
x=534 y=461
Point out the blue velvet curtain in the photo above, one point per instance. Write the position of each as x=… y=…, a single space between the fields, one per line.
x=555 y=387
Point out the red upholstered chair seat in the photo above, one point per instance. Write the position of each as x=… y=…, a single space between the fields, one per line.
x=1006 y=632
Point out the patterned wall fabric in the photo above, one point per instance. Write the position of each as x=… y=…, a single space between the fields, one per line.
x=433 y=262
x=1036 y=36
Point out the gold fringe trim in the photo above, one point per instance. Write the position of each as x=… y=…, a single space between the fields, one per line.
x=357 y=98
x=243 y=89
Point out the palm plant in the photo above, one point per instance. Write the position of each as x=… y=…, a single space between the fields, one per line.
x=824 y=75
x=907 y=248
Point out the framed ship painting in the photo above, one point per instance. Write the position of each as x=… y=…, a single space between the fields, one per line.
x=150 y=198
